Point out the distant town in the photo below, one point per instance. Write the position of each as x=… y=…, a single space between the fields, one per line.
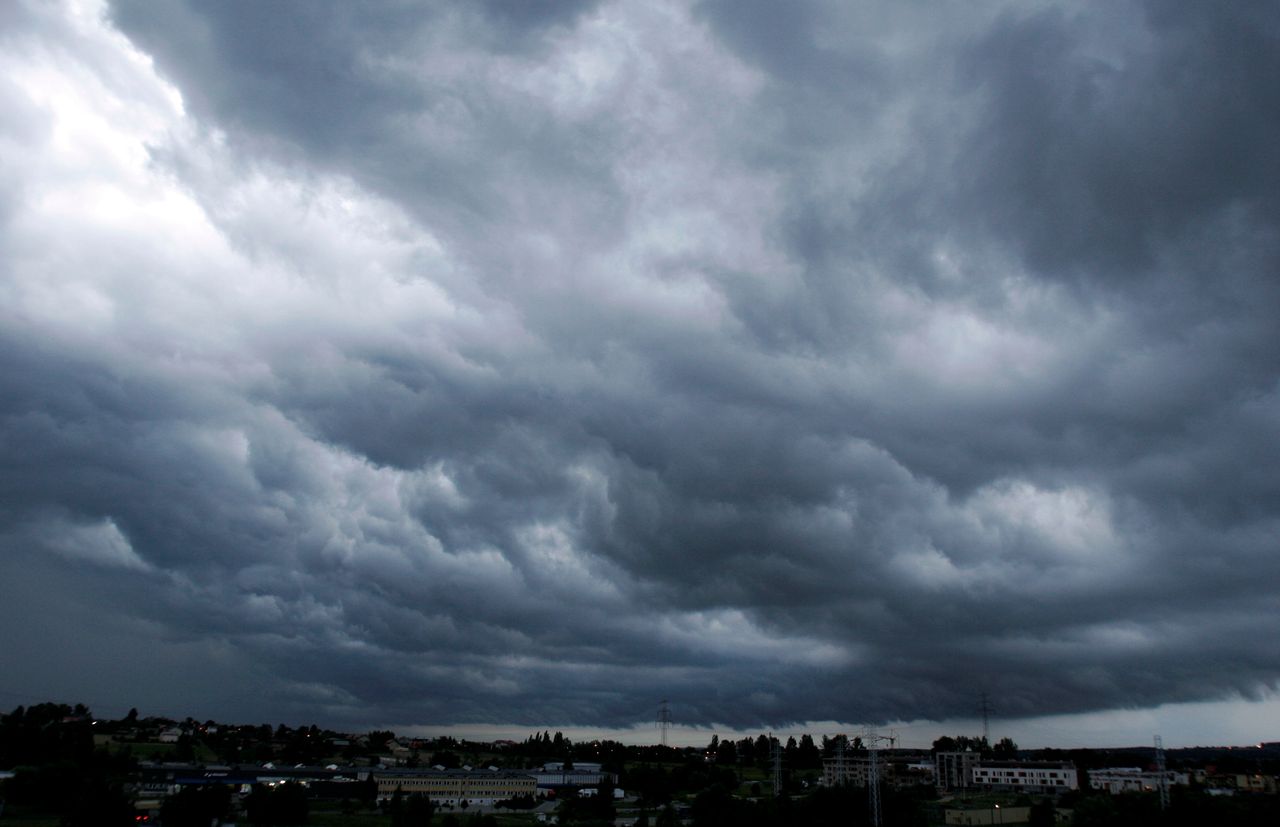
x=61 y=765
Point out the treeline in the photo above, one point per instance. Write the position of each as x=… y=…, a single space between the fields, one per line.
x=803 y=753
x=278 y=806
x=57 y=769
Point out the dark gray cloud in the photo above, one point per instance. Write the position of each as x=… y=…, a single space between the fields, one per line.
x=533 y=362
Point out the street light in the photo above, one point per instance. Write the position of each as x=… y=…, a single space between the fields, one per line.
x=1000 y=814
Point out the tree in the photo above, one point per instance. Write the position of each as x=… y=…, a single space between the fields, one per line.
x=447 y=759
x=593 y=810
x=99 y=804
x=1005 y=748
x=764 y=749
x=789 y=754
x=196 y=806
x=713 y=807
x=1042 y=814
x=1095 y=811
x=185 y=749
x=807 y=754
x=379 y=737
x=961 y=743
x=283 y=805
x=414 y=811
x=395 y=807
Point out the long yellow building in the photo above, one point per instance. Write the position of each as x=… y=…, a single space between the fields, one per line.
x=483 y=787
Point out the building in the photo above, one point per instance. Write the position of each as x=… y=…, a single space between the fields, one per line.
x=1255 y=783
x=896 y=770
x=581 y=774
x=396 y=753
x=170 y=735
x=994 y=814
x=482 y=787
x=158 y=780
x=954 y=770
x=1133 y=780
x=1026 y=776
x=847 y=771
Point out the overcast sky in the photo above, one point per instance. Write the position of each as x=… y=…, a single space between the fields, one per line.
x=522 y=363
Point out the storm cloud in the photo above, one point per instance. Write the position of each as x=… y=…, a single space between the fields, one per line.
x=533 y=362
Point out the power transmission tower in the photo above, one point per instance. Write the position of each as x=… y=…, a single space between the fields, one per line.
x=842 y=772
x=873 y=775
x=1164 y=779
x=777 y=764
x=986 y=710
x=871 y=741
x=664 y=720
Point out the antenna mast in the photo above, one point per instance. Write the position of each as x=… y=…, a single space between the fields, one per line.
x=986 y=710
x=664 y=720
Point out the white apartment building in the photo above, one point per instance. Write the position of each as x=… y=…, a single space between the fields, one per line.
x=1026 y=776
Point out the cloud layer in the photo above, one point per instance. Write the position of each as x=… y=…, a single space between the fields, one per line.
x=531 y=363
